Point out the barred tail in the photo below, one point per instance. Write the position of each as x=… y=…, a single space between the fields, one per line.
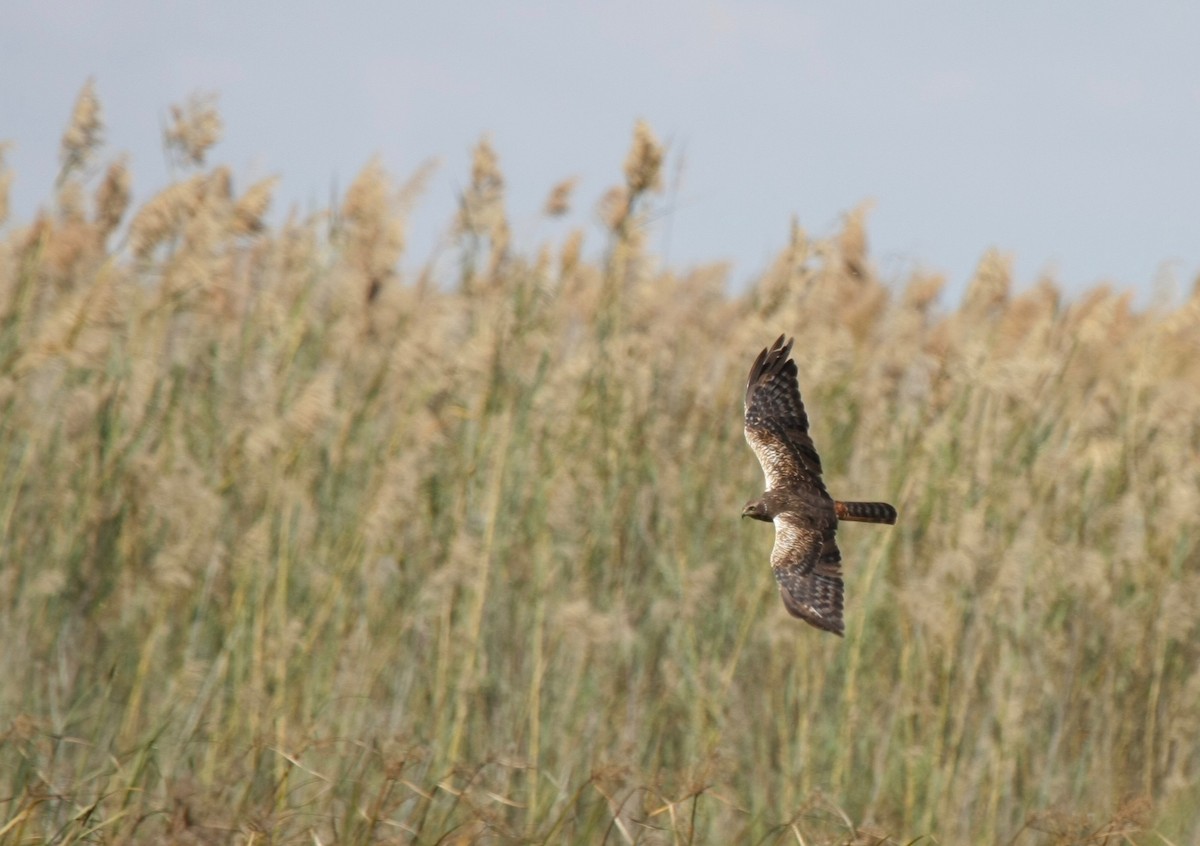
x=865 y=512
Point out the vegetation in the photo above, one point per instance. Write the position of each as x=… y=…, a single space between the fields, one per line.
x=297 y=546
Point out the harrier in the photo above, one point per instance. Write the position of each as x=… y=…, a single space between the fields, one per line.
x=806 y=559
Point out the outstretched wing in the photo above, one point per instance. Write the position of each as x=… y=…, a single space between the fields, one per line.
x=808 y=567
x=806 y=560
x=776 y=425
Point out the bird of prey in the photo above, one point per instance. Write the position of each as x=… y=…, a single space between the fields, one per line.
x=806 y=560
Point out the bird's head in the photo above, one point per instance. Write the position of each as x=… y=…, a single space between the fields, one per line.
x=757 y=509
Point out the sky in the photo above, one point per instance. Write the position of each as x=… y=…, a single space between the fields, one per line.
x=1066 y=135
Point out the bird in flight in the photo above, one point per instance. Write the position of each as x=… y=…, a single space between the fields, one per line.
x=806 y=560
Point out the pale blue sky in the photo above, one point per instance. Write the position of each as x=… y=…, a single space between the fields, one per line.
x=1067 y=134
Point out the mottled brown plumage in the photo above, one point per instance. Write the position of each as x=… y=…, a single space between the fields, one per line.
x=806 y=560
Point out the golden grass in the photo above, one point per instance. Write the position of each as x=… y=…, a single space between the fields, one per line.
x=299 y=547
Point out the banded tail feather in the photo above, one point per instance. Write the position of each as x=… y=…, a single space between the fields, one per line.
x=865 y=512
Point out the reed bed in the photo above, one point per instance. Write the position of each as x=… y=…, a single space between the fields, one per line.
x=303 y=545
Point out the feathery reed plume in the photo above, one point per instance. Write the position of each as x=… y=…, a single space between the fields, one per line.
x=620 y=210
x=6 y=177
x=93 y=308
x=798 y=246
x=84 y=133
x=922 y=291
x=643 y=163
x=218 y=188
x=569 y=257
x=614 y=207
x=195 y=128
x=161 y=216
x=1031 y=312
x=862 y=311
x=250 y=208
x=372 y=232
x=643 y=173
x=71 y=203
x=413 y=187
x=988 y=289
x=1102 y=319
x=852 y=242
x=778 y=283
x=481 y=212
x=112 y=199
x=70 y=242
x=558 y=203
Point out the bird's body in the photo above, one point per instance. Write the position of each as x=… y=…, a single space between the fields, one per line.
x=806 y=560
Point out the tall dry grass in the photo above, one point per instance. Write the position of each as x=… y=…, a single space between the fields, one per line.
x=299 y=546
